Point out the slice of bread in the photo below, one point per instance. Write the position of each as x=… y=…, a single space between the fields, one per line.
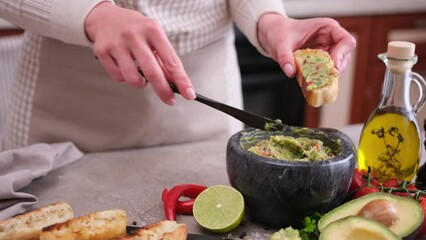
x=28 y=226
x=317 y=76
x=164 y=230
x=103 y=225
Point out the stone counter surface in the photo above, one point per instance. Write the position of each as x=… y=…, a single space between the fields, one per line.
x=133 y=180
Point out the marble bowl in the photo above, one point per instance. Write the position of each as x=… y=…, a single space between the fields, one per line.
x=280 y=193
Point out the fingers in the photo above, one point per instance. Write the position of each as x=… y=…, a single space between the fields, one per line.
x=154 y=74
x=121 y=68
x=343 y=64
x=341 y=51
x=172 y=66
x=341 y=56
x=323 y=33
x=129 y=71
x=110 y=66
x=285 y=59
x=124 y=39
x=120 y=65
x=278 y=46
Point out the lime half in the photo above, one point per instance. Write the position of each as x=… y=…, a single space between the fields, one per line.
x=219 y=208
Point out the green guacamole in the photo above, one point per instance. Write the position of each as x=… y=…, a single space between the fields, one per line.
x=317 y=72
x=290 y=148
x=286 y=234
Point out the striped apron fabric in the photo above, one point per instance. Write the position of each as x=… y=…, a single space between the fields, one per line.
x=62 y=93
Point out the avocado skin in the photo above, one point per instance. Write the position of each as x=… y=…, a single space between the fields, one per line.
x=280 y=193
x=414 y=234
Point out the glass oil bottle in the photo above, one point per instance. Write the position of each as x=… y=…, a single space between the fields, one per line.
x=391 y=140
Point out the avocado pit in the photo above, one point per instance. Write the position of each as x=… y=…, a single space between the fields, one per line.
x=380 y=210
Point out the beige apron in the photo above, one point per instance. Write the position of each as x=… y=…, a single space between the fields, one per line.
x=75 y=100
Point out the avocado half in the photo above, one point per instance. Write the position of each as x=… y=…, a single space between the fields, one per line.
x=353 y=227
x=409 y=212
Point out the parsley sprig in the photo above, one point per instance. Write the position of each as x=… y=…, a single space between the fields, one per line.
x=310 y=230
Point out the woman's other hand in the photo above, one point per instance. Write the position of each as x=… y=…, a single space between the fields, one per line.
x=123 y=38
x=281 y=36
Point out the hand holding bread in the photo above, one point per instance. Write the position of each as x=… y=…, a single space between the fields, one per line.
x=317 y=76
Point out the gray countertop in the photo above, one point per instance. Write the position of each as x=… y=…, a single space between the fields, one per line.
x=134 y=179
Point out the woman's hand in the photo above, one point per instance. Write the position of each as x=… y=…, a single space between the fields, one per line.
x=281 y=36
x=123 y=38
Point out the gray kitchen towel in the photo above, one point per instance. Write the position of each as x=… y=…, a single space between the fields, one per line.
x=18 y=167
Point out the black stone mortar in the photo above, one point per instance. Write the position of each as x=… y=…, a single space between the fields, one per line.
x=280 y=193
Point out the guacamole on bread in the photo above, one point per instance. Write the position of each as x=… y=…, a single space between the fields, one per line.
x=291 y=148
x=316 y=70
x=316 y=75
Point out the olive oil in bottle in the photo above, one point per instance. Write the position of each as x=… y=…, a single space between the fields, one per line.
x=390 y=145
x=390 y=142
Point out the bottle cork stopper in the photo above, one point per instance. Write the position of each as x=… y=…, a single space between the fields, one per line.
x=401 y=49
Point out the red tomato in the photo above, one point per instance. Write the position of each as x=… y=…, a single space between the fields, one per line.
x=392 y=183
x=365 y=191
x=397 y=184
x=412 y=186
x=422 y=201
x=404 y=194
x=359 y=180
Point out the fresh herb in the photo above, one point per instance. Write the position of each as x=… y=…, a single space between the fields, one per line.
x=310 y=230
x=390 y=165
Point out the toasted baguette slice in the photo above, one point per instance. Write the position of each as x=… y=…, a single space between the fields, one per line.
x=164 y=230
x=29 y=225
x=317 y=76
x=103 y=225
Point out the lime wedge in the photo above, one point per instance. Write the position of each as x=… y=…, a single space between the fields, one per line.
x=219 y=208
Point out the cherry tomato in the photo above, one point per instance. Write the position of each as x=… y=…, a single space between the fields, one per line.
x=422 y=201
x=395 y=183
x=391 y=183
x=359 y=180
x=412 y=186
x=365 y=191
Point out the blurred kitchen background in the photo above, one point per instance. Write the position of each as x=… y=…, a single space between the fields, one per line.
x=267 y=91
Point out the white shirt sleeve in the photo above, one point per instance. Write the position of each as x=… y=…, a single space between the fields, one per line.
x=59 y=19
x=246 y=14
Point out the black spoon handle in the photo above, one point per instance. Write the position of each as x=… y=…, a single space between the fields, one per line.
x=250 y=119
